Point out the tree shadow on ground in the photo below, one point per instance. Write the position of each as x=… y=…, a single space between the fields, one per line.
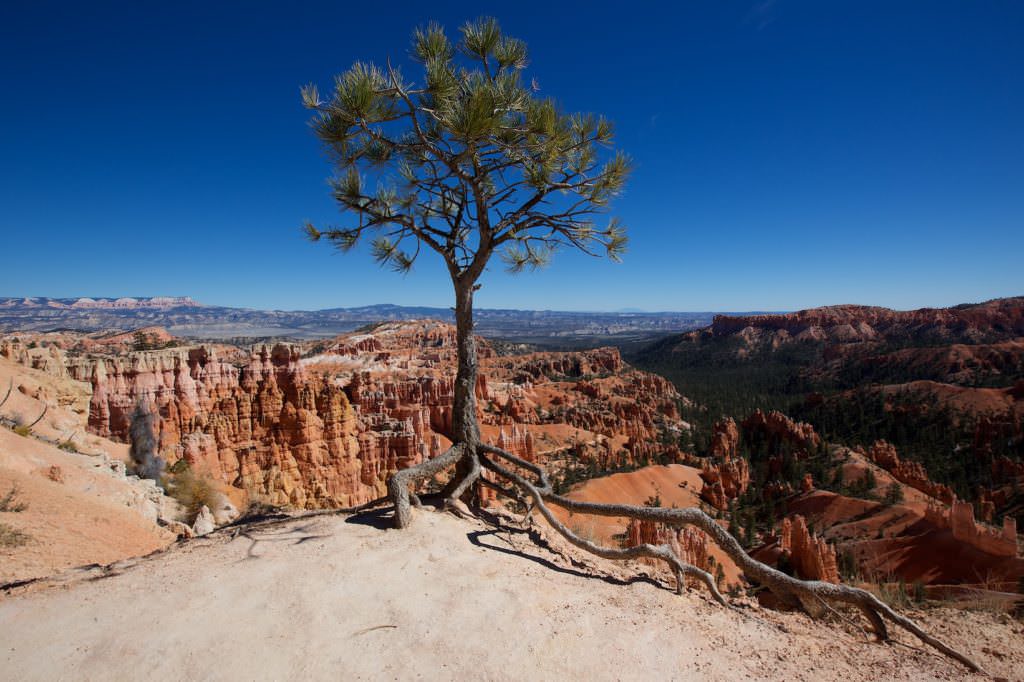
x=293 y=536
x=476 y=538
x=381 y=519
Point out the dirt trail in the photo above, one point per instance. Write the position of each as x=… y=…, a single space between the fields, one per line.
x=330 y=598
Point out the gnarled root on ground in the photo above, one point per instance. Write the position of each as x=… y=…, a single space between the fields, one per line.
x=814 y=597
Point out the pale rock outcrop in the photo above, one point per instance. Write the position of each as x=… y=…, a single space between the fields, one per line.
x=204 y=523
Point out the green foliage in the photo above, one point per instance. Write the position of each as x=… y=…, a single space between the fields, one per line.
x=896 y=594
x=894 y=493
x=150 y=341
x=749 y=529
x=141 y=341
x=842 y=405
x=576 y=470
x=862 y=488
x=467 y=162
x=23 y=430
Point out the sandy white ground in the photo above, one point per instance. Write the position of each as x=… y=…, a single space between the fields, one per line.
x=334 y=598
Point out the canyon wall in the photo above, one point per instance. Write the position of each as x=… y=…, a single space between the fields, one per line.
x=845 y=323
x=325 y=425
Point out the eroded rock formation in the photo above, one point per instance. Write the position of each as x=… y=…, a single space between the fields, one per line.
x=846 y=323
x=725 y=438
x=959 y=518
x=912 y=474
x=781 y=434
x=328 y=428
x=689 y=544
x=810 y=556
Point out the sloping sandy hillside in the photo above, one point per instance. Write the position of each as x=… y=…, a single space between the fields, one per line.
x=329 y=597
x=79 y=507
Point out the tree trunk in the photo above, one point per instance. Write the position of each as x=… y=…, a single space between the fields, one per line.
x=465 y=428
x=465 y=433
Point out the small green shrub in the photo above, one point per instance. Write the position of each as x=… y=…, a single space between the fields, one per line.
x=587 y=532
x=894 y=594
x=894 y=494
x=11 y=503
x=193 y=492
x=920 y=594
x=12 y=537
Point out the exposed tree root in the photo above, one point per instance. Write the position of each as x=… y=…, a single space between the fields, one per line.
x=399 y=484
x=468 y=480
x=815 y=597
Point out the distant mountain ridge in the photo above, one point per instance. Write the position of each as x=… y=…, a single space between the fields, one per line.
x=123 y=303
x=184 y=316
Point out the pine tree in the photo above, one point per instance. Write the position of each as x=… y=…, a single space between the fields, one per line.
x=469 y=162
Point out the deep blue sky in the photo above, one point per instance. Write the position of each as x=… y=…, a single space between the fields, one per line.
x=788 y=154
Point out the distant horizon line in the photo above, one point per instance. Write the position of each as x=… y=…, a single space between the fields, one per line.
x=621 y=311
